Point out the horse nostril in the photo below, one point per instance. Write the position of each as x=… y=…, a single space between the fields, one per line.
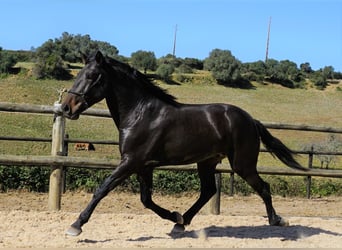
x=65 y=108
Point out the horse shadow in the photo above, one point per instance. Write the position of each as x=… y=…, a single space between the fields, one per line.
x=89 y=241
x=289 y=233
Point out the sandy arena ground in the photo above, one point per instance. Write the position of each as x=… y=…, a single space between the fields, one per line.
x=121 y=221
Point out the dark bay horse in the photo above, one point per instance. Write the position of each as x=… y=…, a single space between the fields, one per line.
x=156 y=130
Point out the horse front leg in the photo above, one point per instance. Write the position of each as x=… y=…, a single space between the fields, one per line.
x=124 y=170
x=146 y=181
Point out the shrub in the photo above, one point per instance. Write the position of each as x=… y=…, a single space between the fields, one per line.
x=168 y=182
x=29 y=178
x=320 y=83
x=51 y=67
x=325 y=187
x=85 y=179
x=224 y=66
x=175 y=181
x=165 y=71
x=7 y=61
x=183 y=68
x=193 y=63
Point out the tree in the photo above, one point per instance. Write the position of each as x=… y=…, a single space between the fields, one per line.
x=320 y=82
x=51 y=67
x=257 y=67
x=328 y=72
x=224 y=67
x=165 y=71
x=52 y=54
x=69 y=46
x=254 y=71
x=46 y=49
x=170 y=59
x=193 y=63
x=144 y=60
x=337 y=75
x=183 y=68
x=290 y=70
x=7 y=61
x=321 y=76
x=306 y=68
x=283 y=72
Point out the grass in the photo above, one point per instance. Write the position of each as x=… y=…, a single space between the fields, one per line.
x=270 y=103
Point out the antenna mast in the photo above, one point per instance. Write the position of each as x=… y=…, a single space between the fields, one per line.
x=174 y=42
x=268 y=38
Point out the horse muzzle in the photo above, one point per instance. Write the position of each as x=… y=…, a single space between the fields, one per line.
x=67 y=112
x=73 y=106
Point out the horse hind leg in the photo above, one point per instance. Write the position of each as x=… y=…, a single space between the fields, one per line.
x=247 y=171
x=263 y=189
x=206 y=172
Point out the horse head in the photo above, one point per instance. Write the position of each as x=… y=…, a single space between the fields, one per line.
x=90 y=87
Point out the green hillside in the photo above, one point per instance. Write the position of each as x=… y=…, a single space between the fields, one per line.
x=266 y=102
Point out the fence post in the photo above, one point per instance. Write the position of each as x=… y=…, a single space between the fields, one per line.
x=308 y=178
x=231 y=184
x=215 y=201
x=65 y=153
x=57 y=148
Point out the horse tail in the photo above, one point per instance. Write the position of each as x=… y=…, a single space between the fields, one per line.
x=277 y=148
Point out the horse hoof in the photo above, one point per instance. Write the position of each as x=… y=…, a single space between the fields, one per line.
x=178 y=228
x=72 y=231
x=283 y=223
x=280 y=222
x=179 y=218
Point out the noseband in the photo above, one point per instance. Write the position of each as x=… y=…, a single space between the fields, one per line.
x=83 y=95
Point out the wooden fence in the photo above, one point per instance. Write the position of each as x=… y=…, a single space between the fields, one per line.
x=58 y=160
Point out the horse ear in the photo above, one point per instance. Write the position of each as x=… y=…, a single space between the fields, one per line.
x=99 y=57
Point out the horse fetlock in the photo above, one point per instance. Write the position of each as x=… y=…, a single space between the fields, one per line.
x=179 y=218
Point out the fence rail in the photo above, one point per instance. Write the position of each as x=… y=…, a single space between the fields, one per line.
x=92 y=163
x=44 y=109
x=57 y=161
x=113 y=142
x=69 y=140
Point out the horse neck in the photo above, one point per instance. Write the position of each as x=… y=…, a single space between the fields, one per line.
x=113 y=109
x=124 y=99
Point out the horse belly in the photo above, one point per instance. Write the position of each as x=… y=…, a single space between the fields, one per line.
x=193 y=147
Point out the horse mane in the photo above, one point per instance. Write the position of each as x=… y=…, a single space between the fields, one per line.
x=142 y=81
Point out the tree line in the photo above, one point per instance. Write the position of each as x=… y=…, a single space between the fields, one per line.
x=55 y=57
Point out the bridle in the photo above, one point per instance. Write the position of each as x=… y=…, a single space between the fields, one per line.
x=83 y=95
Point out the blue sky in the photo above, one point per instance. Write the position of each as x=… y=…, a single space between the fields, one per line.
x=301 y=31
